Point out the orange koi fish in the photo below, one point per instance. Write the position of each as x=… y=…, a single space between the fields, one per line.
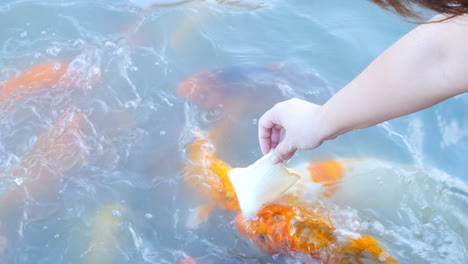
x=188 y=260
x=291 y=228
x=38 y=78
x=62 y=147
x=299 y=231
x=209 y=175
x=56 y=151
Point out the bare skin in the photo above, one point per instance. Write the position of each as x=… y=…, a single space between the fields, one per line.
x=425 y=67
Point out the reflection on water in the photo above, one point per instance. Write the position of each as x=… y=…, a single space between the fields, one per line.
x=100 y=100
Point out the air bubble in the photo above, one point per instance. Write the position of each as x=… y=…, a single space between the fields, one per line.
x=116 y=213
x=19 y=181
x=109 y=44
x=57 y=67
x=78 y=43
x=54 y=51
x=148 y=216
x=384 y=256
x=131 y=104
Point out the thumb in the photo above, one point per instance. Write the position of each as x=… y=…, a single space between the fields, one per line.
x=283 y=151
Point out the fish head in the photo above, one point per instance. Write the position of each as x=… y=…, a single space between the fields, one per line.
x=208 y=174
x=204 y=89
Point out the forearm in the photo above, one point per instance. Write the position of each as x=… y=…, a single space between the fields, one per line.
x=424 y=68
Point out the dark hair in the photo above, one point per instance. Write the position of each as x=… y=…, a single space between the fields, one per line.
x=405 y=8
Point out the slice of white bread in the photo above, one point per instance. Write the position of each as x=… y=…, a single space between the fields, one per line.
x=261 y=183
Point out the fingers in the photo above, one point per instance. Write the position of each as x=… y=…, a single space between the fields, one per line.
x=290 y=155
x=284 y=151
x=264 y=139
x=269 y=132
x=275 y=136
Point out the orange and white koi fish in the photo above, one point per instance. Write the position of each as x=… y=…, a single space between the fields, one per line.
x=302 y=231
x=289 y=227
x=209 y=175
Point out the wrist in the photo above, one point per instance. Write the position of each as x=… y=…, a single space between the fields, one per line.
x=327 y=127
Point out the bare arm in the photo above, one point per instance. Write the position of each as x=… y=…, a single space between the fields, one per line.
x=425 y=67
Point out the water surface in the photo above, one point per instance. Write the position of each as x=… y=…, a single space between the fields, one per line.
x=138 y=53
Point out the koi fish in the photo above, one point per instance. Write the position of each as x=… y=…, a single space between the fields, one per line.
x=188 y=260
x=209 y=175
x=62 y=147
x=37 y=78
x=229 y=96
x=39 y=172
x=235 y=84
x=104 y=226
x=289 y=226
x=299 y=231
x=59 y=149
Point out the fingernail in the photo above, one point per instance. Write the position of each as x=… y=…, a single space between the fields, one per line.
x=275 y=159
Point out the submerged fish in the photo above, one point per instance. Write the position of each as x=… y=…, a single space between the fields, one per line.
x=188 y=260
x=209 y=175
x=58 y=150
x=45 y=76
x=39 y=173
x=229 y=100
x=104 y=240
x=290 y=226
x=234 y=85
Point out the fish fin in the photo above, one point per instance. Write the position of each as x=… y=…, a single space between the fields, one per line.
x=367 y=244
x=329 y=172
x=199 y=215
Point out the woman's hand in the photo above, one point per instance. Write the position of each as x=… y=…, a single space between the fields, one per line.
x=423 y=68
x=304 y=128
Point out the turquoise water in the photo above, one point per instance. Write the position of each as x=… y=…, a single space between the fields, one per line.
x=130 y=181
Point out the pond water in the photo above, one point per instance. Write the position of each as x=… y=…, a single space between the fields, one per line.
x=92 y=167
